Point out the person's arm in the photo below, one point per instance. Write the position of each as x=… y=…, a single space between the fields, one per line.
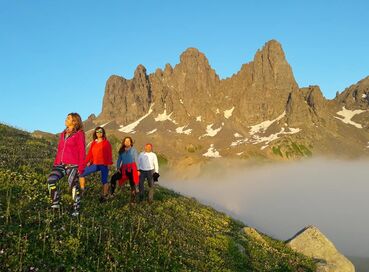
x=156 y=163
x=139 y=165
x=89 y=158
x=81 y=146
x=109 y=155
x=119 y=161
x=135 y=155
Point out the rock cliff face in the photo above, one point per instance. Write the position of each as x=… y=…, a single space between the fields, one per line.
x=259 y=111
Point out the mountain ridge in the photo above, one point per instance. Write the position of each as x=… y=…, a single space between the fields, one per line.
x=257 y=110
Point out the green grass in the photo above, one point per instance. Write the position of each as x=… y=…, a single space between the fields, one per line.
x=290 y=149
x=175 y=233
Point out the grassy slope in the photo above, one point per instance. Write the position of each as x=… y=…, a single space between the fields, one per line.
x=174 y=234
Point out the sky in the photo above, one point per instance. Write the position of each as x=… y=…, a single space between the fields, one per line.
x=56 y=56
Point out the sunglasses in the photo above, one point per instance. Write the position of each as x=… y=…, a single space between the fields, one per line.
x=99 y=131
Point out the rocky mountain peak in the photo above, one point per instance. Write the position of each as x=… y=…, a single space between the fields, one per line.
x=168 y=69
x=256 y=109
x=356 y=96
x=193 y=55
x=140 y=71
x=271 y=69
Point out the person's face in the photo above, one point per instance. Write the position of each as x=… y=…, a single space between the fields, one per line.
x=148 y=148
x=69 y=121
x=127 y=142
x=99 y=133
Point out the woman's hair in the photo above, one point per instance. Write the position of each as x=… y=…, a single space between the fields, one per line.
x=77 y=121
x=123 y=147
x=94 y=136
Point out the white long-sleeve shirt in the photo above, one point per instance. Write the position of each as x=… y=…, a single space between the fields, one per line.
x=148 y=161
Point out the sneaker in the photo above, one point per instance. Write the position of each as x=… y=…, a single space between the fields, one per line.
x=137 y=189
x=75 y=213
x=55 y=206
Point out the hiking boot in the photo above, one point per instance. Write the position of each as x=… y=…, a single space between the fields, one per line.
x=133 y=197
x=110 y=196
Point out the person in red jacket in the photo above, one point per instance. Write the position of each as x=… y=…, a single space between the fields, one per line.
x=69 y=160
x=99 y=157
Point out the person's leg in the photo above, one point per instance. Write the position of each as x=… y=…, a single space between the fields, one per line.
x=142 y=185
x=133 y=187
x=57 y=173
x=73 y=180
x=88 y=170
x=113 y=181
x=104 y=180
x=150 y=180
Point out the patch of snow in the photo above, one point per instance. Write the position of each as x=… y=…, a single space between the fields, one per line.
x=263 y=126
x=238 y=142
x=210 y=131
x=228 y=113
x=293 y=130
x=237 y=135
x=151 y=131
x=272 y=137
x=217 y=111
x=198 y=118
x=165 y=117
x=263 y=147
x=212 y=152
x=240 y=153
x=181 y=101
x=348 y=115
x=363 y=95
x=130 y=128
x=181 y=130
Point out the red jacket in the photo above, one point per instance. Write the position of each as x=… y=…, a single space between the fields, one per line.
x=100 y=153
x=129 y=167
x=72 y=150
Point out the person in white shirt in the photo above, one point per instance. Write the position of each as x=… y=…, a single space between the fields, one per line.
x=147 y=165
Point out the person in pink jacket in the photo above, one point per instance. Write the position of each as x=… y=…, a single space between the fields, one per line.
x=69 y=160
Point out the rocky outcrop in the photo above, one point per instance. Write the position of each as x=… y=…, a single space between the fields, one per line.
x=192 y=88
x=125 y=100
x=248 y=113
x=356 y=96
x=311 y=242
x=261 y=88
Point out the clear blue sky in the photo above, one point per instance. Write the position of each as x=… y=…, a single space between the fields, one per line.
x=56 y=56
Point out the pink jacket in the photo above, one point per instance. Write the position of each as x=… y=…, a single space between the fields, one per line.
x=72 y=150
